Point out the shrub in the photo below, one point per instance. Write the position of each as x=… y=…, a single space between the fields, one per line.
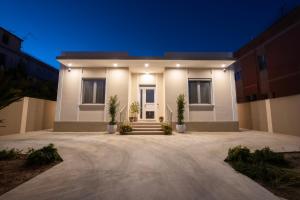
x=113 y=105
x=125 y=128
x=9 y=154
x=180 y=109
x=238 y=153
x=263 y=165
x=167 y=129
x=266 y=155
x=46 y=155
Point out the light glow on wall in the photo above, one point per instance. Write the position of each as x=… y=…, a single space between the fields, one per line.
x=147 y=78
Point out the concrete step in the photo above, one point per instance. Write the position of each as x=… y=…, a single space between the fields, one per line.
x=146 y=133
x=145 y=123
x=146 y=129
x=145 y=126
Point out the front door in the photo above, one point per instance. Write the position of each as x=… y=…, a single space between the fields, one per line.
x=147 y=102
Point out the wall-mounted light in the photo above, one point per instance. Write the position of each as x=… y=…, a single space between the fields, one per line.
x=223 y=65
x=177 y=65
x=146 y=65
x=69 y=66
x=115 y=65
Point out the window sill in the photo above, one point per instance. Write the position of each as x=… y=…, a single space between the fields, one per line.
x=201 y=107
x=86 y=107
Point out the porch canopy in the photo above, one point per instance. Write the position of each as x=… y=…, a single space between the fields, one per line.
x=146 y=64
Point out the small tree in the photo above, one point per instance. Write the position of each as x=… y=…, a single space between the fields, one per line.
x=134 y=108
x=180 y=109
x=112 y=109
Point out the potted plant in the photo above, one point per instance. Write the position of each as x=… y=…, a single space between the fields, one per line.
x=161 y=119
x=180 y=126
x=134 y=111
x=113 y=105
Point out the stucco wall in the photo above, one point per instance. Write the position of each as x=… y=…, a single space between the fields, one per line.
x=244 y=113
x=282 y=116
x=285 y=112
x=28 y=114
x=117 y=84
x=223 y=94
x=12 y=116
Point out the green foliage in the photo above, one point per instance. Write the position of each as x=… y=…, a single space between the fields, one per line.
x=266 y=155
x=180 y=109
x=113 y=105
x=238 y=153
x=46 y=155
x=16 y=84
x=134 y=107
x=167 y=129
x=9 y=154
x=125 y=128
x=263 y=165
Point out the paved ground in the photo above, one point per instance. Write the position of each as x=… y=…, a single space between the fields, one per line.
x=99 y=166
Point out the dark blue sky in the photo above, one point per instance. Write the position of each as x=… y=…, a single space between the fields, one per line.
x=142 y=27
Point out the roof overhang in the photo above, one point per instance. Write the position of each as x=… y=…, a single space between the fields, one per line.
x=146 y=64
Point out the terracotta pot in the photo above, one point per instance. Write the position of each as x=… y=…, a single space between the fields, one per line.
x=180 y=128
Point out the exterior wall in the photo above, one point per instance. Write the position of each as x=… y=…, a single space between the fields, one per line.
x=223 y=94
x=69 y=107
x=285 y=114
x=245 y=117
x=12 y=116
x=278 y=115
x=149 y=79
x=27 y=114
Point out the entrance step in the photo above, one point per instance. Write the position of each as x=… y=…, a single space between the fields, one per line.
x=146 y=128
x=146 y=133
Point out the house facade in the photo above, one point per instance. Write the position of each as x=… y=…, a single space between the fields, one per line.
x=87 y=80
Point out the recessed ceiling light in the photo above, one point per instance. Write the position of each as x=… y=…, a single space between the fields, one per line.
x=177 y=65
x=115 y=65
x=223 y=65
x=146 y=65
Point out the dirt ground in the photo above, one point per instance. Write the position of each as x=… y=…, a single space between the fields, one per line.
x=14 y=172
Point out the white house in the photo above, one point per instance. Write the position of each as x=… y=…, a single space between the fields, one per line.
x=87 y=79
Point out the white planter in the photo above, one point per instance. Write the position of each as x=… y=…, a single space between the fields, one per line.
x=180 y=128
x=112 y=128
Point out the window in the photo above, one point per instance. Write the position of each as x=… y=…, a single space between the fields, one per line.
x=5 y=38
x=149 y=96
x=93 y=91
x=199 y=91
x=2 y=59
x=237 y=75
x=262 y=62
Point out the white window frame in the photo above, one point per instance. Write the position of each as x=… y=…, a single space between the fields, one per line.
x=94 y=91
x=199 y=91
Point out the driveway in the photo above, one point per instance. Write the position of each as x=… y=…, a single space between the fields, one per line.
x=180 y=166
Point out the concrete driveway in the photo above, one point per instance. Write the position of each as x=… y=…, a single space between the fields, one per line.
x=100 y=166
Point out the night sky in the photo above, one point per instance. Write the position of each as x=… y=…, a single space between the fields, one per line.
x=144 y=27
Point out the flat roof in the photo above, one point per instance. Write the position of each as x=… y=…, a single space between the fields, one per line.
x=166 y=56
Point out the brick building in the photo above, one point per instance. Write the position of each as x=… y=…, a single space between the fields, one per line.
x=268 y=66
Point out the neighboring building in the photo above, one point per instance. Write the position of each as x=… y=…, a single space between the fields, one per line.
x=11 y=55
x=268 y=69
x=87 y=80
x=268 y=66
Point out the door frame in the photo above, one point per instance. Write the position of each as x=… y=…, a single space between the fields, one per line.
x=142 y=106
